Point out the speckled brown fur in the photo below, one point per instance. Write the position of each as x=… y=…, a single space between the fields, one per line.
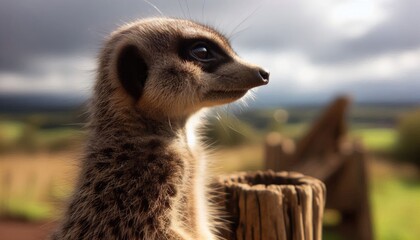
x=142 y=178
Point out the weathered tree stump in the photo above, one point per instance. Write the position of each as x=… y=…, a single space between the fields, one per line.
x=272 y=205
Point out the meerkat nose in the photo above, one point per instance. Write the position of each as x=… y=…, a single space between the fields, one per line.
x=264 y=75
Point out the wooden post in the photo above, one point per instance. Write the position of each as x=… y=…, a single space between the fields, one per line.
x=272 y=205
x=278 y=151
x=325 y=135
x=353 y=203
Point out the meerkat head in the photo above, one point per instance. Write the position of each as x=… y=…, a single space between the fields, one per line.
x=171 y=68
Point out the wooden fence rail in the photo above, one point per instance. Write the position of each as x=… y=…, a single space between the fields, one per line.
x=326 y=153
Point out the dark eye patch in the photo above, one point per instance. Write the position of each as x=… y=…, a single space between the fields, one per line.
x=187 y=48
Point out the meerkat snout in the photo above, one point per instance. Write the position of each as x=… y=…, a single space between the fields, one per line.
x=175 y=67
x=265 y=75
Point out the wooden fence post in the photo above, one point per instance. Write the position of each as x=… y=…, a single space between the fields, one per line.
x=278 y=151
x=327 y=154
x=272 y=205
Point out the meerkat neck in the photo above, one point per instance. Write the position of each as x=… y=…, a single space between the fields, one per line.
x=134 y=123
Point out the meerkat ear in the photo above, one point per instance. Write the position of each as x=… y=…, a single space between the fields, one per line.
x=132 y=71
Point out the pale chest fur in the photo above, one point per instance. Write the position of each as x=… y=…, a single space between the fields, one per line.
x=195 y=211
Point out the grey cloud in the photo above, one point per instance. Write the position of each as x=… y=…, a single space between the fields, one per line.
x=403 y=90
x=52 y=27
x=30 y=28
x=397 y=33
x=37 y=27
x=287 y=25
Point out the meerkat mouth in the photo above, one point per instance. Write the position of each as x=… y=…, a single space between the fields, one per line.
x=225 y=94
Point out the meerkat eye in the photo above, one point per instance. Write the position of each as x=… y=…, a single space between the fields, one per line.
x=201 y=52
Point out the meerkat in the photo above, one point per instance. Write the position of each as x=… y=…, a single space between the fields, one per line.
x=143 y=175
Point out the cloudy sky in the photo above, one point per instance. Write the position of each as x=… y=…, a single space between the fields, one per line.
x=314 y=49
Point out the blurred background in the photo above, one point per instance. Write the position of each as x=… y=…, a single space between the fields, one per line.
x=315 y=50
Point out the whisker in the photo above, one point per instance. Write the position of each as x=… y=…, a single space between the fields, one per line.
x=155 y=7
x=188 y=9
x=245 y=19
x=234 y=35
x=182 y=9
x=202 y=10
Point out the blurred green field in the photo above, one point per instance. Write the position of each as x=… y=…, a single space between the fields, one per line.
x=377 y=139
x=18 y=136
x=10 y=132
x=38 y=163
x=396 y=209
x=47 y=180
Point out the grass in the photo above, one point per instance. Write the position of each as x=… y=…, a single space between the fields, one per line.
x=36 y=182
x=32 y=185
x=9 y=133
x=377 y=139
x=24 y=209
x=294 y=130
x=396 y=209
x=10 y=129
x=242 y=158
x=395 y=198
x=18 y=136
x=373 y=139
